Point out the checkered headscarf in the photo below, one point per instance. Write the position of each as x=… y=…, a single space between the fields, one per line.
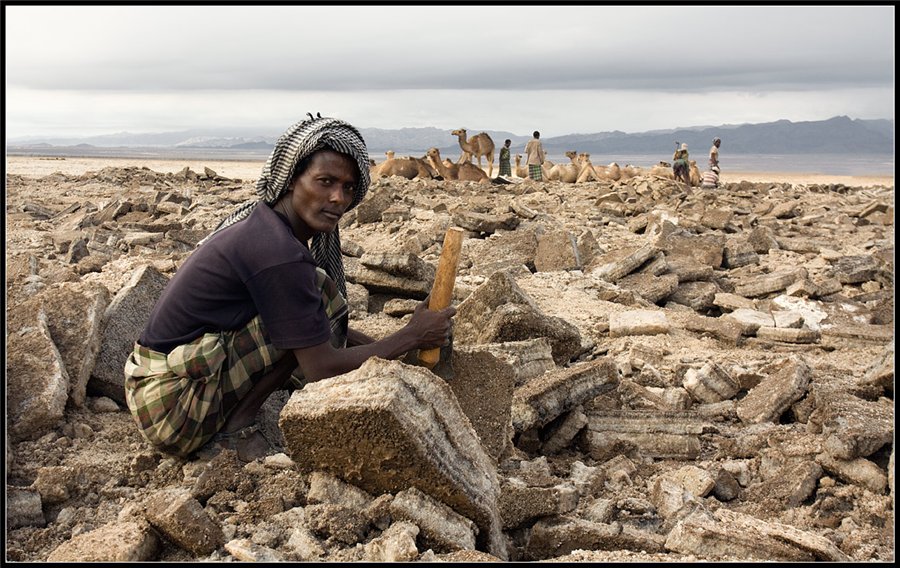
x=298 y=142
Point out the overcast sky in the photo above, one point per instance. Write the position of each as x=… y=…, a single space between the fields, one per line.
x=87 y=70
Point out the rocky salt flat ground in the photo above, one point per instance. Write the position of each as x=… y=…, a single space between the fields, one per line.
x=653 y=376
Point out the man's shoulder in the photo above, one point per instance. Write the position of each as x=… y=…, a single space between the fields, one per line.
x=263 y=233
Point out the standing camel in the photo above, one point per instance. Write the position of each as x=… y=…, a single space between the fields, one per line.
x=478 y=146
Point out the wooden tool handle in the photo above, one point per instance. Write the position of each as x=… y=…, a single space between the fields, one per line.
x=442 y=289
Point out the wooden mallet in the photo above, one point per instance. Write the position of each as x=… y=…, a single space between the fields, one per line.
x=442 y=289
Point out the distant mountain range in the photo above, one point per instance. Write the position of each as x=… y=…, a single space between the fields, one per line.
x=838 y=135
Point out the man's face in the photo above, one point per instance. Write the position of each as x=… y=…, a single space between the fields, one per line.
x=324 y=191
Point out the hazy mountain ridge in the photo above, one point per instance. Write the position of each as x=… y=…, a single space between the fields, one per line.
x=838 y=135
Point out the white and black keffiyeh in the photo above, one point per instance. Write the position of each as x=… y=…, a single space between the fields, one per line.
x=298 y=142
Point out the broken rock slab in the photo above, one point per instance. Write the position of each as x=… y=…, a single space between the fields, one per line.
x=37 y=383
x=788 y=318
x=786 y=486
x=739 y=253
x=651 y=288
x=502 y=250
x=557 y=250
x=182 y=519
x=326 y=488
x=774 y=282
x=406 y=265
x=245 y=550
x=550 y=395
x=500 y=311
x=786 y=384
x=521 y=503
x=638 y=322
x=710 y=383
x=561 y=434
x=528 y=358
x=788 y=334
x=658 y=434
x=859 y=471
x=23 y=508
x=880 y=373
x=441 y=528
x=838 y=334
x=128 y=541
x=687 y=269
x=853 y=427
x=731 y=302
x=396 y=544
x=716 y=218
x=707 y=250
x=618 y=264
x=560 y=535
x=670 y=498
x=124 y=321
x=518 y=322
x=729 y=534
x=657 y=266
x=750 y=320
x=483 y=384
x=374 y=205
x=725 y=329
x=762 y=239
x=484 y=222
x=75 y=313
x=692 y=479
x=855 y=269
x=698 y=295
x=380 y=281
x=388 y=426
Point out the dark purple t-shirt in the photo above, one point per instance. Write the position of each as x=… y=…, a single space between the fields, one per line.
x=255 y=266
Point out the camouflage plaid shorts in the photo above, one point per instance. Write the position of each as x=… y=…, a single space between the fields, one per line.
x=181 y=399
x=534 y=172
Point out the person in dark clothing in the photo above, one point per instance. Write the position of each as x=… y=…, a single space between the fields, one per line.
x=681 y=166
x=261 y=298
x=505 y=166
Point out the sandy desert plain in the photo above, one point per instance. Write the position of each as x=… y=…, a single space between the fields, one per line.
x=745 y=414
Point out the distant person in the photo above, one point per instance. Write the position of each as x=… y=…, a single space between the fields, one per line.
x=505 y=166
x=534 y=153
x=710 y=178
x=714 y=154
x=681 y=165
x=262 y=295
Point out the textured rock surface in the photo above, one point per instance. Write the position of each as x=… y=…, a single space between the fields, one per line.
x=393 y=426
x=808 y=472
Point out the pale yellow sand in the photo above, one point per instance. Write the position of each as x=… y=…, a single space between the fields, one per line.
x=807 y=178
x=39 y=167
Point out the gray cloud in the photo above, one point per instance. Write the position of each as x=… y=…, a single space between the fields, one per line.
x=298 y=47
x=511 y=52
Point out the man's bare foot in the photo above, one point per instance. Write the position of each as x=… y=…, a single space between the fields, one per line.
x=248 y=443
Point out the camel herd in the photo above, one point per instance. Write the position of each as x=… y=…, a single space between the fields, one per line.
x=578 y=170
